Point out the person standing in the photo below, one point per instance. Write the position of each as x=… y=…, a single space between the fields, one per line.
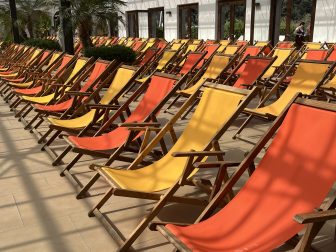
x=299 y=33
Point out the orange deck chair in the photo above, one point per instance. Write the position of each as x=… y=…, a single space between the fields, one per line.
x=293 y=177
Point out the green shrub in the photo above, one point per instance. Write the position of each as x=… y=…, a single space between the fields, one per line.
x=43 y=44
x=117 y=52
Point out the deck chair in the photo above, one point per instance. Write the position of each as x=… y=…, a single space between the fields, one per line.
x=332 y=54
x=188 y=63
x=313 y=45
x=248 y=71
x=77 y=122
x=55 y=90
x=160 y=88
x=218 y=65
x=210 y=50
x=285 y=44
x=78 y=93
x=55 y=70
x=230 y=49
x=294 y=177
x=267 y=44
x=315 y=54
x=152 y=181
x=308 y=76
x=283 y=56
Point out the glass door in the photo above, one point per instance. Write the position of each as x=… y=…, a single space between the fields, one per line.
x=156 y=23
x=133 y=24
x=188 y=21
x=231 y=19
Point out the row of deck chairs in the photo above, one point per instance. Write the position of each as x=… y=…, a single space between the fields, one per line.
x=113 y=111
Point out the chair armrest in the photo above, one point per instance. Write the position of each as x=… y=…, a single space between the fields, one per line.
x=144 y=128
x=142 y=124
x=198 y=153
x=216 y=164
x=103 y=106
x=152 y=226
x=320 y=216
x=78 y=93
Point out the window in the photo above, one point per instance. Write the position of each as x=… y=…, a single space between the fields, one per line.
x=293 y=12
x=156 y=23
x=188 y=21
x=133 y=24
x=231 y=19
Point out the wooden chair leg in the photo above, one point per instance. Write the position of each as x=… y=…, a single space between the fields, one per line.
x=22 y=110
x=71 y=164
x=51 y=139
x=32 y=121
x=60 y=157
x=172 y=103
x=105 y=198
x=84 y=190
x=305 y=243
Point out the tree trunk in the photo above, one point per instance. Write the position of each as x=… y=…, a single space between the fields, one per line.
x=84 y=34
x=30 y=27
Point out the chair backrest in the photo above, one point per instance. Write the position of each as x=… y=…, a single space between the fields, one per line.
x=65 y=60
x=231 y=49
x=191 y=48
x=191 y=60
x=285 y=44
x=137 y=45
x=158 y=88
x=332 y=55
x=166 y=58
x=176 y=46
x=216 y=67
x=148 y=56
x=80 y=63
x=121 y=78
x=313 y=45
x=302 y=154
x=197 y=135
x=252 y=51
x=210 y=49
x=161 y=45
x=147 y=46
x=97 y=70
x=53 y=58
x=282 y=55
x=251 y=70
x=34 y=55
x=45 y=55
x=305 y=80
x=315 y=54
x=224 y=42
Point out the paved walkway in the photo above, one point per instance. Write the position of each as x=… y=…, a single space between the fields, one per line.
x=39 y=211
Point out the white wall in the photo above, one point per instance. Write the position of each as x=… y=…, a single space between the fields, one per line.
x=325 y=21
x=207 y=18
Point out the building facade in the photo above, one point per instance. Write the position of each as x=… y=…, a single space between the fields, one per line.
x=220 y=19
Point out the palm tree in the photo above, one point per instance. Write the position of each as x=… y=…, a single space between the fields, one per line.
x=32 y=15
x=83 y=11
x=34 y=12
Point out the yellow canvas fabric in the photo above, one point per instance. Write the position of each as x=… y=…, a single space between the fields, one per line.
x=304 y=81
x=215 y=68
x=282 y=56
x=198 y=133
x=176 y=46
x=121 y=78
x=313 y=45
x=148 y=45
x=167 y=56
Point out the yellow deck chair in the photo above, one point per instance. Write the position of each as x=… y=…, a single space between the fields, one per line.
x=165 y=173
x=148 y=45
x=44 y=99
x=52 y=60
x=177 y=46
x=213 y=71
x=166 y=58
x=121 y=40
x=229 y=50
x=152 y=40
x=107 y=42
x=122 y=77
x=197 y=135
x=129 y=43
x=305 y=81
x=185 y=41
x=29 y=61
x=224 y=42
x=313 y=45
x=197 y=41
x=262 y=43
x=282 y=56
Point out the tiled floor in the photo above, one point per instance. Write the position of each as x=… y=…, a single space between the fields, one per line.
x=39 y=211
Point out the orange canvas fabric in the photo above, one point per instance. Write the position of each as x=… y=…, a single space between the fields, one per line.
x=260 y=217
